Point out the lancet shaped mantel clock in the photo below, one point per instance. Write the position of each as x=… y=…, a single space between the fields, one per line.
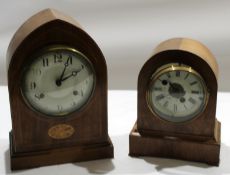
x=177 y=93
x=57 y=80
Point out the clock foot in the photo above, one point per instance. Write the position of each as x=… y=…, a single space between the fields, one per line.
x=168 y=147
x=58 y=156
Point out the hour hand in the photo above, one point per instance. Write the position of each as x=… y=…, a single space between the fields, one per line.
x=73 y=74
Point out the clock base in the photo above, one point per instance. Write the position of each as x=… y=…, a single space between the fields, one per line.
x=171 y=147
x=58 y=156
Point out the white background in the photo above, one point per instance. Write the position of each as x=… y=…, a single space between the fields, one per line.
x=127 y=31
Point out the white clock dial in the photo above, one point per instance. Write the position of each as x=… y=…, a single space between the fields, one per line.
x=59 y=80
x=177 y=93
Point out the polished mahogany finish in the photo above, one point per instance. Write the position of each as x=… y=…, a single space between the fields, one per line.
x=202 y=131
x=31 y=144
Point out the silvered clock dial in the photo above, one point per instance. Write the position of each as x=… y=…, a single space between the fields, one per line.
x=58 y=81
x=177 y=93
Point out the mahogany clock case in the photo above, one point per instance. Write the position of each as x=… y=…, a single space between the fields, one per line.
x=31 y=144
x=201 y=133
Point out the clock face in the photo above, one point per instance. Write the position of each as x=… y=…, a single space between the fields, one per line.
x=60 y=80
x=177 y=93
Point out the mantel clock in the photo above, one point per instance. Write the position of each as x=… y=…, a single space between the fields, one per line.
x=57 y=80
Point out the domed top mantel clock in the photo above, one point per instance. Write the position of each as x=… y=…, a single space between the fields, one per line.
x=177 y=92
x=57 y=80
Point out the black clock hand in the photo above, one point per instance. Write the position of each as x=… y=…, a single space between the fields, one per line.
x=174 y=87
x=63 y=72
x=171 y=84
x=73 y=74
x=164 y=82
x=59 y=80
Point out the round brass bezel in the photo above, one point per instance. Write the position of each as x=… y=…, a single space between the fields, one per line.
x=53 y=48
x=169 y=68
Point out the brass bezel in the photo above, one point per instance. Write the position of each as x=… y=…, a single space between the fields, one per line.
x=52 y=48
x=173 y=67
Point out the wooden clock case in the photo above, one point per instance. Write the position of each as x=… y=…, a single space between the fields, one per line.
x=30 y=143
x=195 y=140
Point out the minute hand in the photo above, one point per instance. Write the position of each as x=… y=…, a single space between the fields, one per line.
x=63 y=72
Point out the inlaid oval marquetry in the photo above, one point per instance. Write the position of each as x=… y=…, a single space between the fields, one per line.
x=61 y=131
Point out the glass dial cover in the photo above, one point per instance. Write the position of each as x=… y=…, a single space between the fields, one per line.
x=59 y=80
x=177 y=93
